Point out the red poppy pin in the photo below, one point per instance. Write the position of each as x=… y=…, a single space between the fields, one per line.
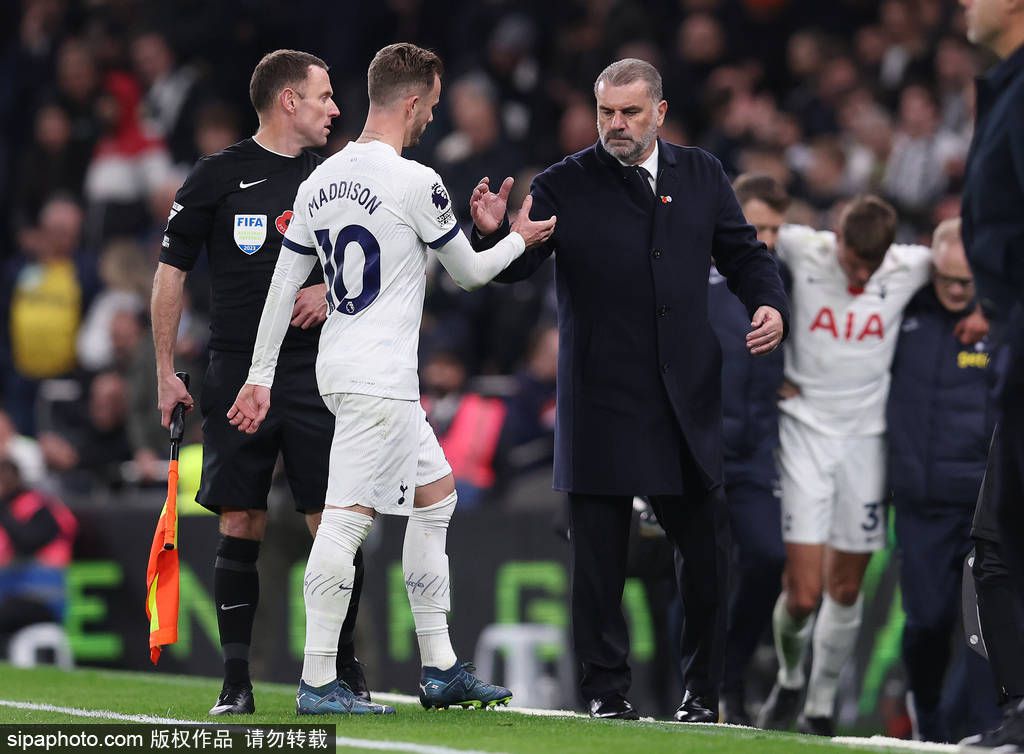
x=283 y=220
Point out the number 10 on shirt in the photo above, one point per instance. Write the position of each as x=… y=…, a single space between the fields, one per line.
x=334 y=267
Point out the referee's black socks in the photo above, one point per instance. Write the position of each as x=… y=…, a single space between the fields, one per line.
x=236 y=590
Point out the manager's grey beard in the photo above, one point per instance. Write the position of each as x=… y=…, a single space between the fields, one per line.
x=631 y=155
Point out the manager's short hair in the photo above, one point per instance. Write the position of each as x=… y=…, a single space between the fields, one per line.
x=277 y=70
x=400 y=69
x=626 y=71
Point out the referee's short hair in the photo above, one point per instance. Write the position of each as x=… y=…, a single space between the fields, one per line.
x=398 y=69
x=277 y=70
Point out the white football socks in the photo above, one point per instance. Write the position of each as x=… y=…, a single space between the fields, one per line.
x=791 y=637
x=327 y=589
x=835 y=635
x=427 y=581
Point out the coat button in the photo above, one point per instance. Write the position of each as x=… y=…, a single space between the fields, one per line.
x=663 y=310
x=664 y=368
x=656 y=253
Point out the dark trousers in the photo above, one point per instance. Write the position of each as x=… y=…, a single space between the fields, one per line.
x=759 y=556
x=1001 y=614
x=933 y=542
x=1009 y=452
x=599 y=533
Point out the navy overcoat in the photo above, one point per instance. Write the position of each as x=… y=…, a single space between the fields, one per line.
x=639 y=367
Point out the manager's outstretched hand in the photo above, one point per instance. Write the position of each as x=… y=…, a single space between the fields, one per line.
x=534 y=232
x=250 y=408
x=767 y=332
x=488 y=208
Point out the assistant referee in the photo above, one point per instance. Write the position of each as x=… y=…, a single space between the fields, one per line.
x=237 y=204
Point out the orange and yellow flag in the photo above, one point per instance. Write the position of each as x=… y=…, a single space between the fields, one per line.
x=162 y=573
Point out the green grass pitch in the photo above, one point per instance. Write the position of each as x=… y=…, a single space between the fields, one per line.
x=101 y=696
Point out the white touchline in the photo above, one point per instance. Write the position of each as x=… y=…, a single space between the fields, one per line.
x=347 y=743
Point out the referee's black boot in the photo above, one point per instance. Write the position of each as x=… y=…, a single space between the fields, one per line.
x=612 y=707
x=696 y=709
x=350 y=672
x=234 y=699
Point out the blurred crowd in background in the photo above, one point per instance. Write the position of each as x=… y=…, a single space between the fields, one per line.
x=106 y=104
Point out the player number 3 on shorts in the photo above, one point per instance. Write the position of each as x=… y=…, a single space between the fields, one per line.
x=334 y=267
x=872 y=520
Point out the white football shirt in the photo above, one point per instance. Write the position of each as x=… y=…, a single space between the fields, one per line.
x=369 y=215
x=841 y=343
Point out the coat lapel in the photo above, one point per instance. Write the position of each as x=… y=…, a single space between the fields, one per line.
x=668 y=182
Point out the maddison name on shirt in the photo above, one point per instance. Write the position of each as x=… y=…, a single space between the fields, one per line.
x=354 y=191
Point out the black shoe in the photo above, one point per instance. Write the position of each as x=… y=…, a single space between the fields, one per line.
x=696 y=709
x=733 y=709
x=350 y=672
x=816 y=726
x=1008 y=737
x=234 y=700
x=613 y=707
x=780 y=708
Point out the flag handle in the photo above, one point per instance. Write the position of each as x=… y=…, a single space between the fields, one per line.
x=177 y=433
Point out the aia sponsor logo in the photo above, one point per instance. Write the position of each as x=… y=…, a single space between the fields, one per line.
x=853 y=328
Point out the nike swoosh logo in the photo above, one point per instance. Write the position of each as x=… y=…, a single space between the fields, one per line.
x=232 y=607
x=244 y=185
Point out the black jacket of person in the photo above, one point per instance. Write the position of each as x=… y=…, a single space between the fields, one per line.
x=993 y=199
x=941 y=409
x=750 y=385
x=639 y=367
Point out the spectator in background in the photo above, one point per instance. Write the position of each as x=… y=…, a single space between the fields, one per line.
x=23 y=451
x=173 y=95
x=48 y=289
x=527 y=440
x=922 y=153
x=941 y=414
x=78 y=93
x=477 y=146
x=127 y=279
x=216 y=129
x=129 y=162
x=37 y=533
x=50 y=165
x=750 y=436
x=88 y=448
x=466 y=423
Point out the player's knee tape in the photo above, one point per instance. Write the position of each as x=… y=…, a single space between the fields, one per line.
x=330 y=576
x=424 y=559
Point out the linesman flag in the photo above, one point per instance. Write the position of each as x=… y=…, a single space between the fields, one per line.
x=162 y=571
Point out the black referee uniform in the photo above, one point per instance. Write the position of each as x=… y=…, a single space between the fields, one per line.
x=237 y=204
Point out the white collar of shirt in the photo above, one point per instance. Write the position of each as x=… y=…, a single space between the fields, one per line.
x=651 y=166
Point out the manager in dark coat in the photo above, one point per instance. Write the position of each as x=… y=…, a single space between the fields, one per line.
x=993 y=232
x=639 y=392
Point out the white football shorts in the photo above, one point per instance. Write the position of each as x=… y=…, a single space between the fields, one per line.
x=383 y=449
x=833 y=488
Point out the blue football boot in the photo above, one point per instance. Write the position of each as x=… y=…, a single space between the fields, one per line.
x=334 y=699
x=457 y=686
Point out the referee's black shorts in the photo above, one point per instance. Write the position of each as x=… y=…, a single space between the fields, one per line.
x=237 y=468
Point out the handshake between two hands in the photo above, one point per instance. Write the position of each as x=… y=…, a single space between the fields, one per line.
x=488 y=211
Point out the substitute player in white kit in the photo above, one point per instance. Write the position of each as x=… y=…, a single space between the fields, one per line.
x=849 y=291
x=370 y=216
